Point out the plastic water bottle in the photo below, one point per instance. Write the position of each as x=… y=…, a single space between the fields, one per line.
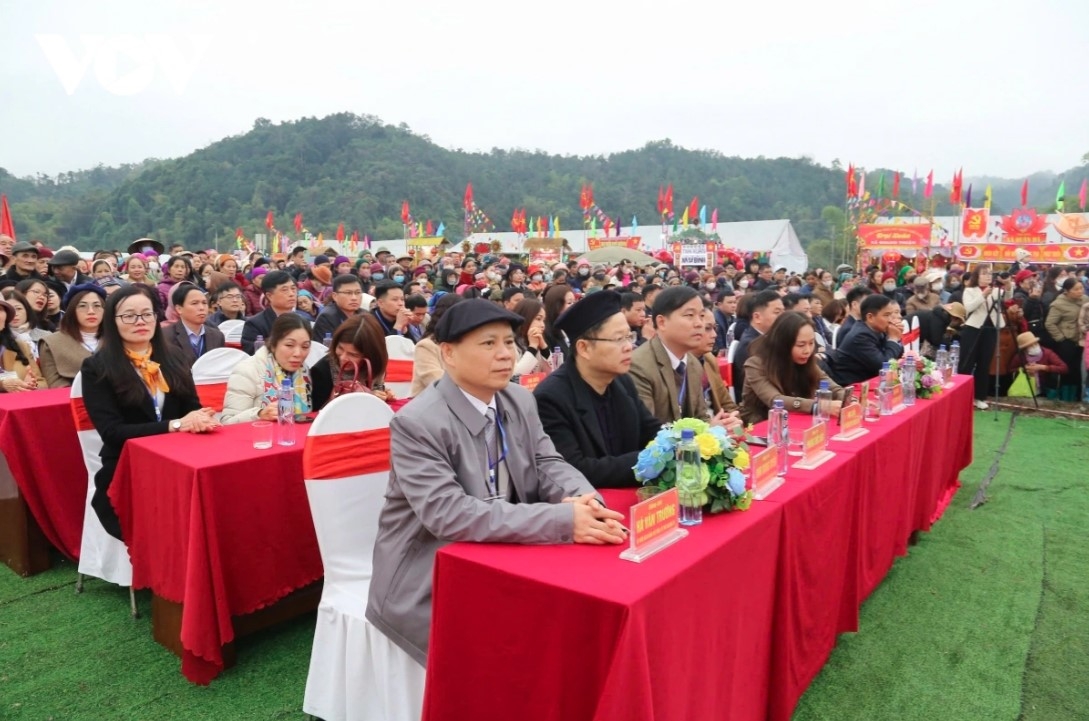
x=556 y=359
x=779 y=432
x=285 y=415
x=954 y=357
x=327 y=341
x=907 y=378
x=822 y=403
x=941 y=361
x=884 y=391
x=258 y=343
x=689 y=479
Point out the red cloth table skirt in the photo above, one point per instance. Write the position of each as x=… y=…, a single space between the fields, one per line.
x=218 y=526
x=38 y=440
x=573 y=632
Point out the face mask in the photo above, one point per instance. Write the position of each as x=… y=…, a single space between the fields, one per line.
x=378 y=276
x=743 y=284
x=599 y=277
x=547 y=277
x=889 y=286
x=935 y=287
x=710 y=286
x=662 y=274
x=584 y=272
x=1034 y=350
x=827 y=284
x=493 y=276
x=451 y=281
x=922 y=293
x=954 y=284
x=398 y=279
x=536 y=277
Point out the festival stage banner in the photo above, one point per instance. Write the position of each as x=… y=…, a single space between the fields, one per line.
x=905 y=236
x=699 y=255
x=545 y=251
x=974 y=222
x=1004 y=252
x=630 y=242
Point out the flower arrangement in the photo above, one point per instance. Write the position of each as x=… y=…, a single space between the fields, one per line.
x=928 y=379
x=725 y=458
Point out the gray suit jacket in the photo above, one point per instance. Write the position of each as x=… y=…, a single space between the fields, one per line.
x=436 y=495
x=652 y=373
x=177 y=337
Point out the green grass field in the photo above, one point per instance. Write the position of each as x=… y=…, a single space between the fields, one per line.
x=987 y=618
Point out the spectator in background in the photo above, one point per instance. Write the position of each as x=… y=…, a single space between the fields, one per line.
x=634 y=309
x=870 y=342
x=280 y=294
x=763 y=308
x=346 y=297
x=230 y=303
x=356 y=362
x=512 y=296
x=724 y=314
x=416 y=305
x=853 y=311
x=427 y=361
x=922 y=298
x=389 y=308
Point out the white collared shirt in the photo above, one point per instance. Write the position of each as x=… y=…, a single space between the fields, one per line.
x=674 y=361
x=502 y=479
x=480 y=405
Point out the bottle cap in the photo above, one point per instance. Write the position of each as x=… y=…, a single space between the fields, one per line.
x=688 y=434
x=286 y=383
x=824 y=385
x=778 y=404
x=941 y=347
x=885 y=366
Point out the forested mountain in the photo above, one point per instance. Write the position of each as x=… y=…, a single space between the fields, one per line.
x=357 y=170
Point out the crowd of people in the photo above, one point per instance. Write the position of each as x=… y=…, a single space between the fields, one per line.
x=623 y=350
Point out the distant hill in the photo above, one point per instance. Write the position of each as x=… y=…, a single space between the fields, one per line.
x=357 y=170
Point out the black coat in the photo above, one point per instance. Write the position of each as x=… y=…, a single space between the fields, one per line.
x=862 y=354
x=116 y=423
x=566 y=409
x=932 y=326
x=740 y=356
x=327 y=322
x=177 y=338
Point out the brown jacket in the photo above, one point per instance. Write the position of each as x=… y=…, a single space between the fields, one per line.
x=652 y=373
x=1062 y=319
x=914 y=304
x=61 y=356
x=760 y=393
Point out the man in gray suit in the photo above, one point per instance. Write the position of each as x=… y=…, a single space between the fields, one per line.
x=471 y=462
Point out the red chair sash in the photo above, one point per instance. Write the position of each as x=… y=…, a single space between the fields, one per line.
x=211 y=395
x=233 y=344
x=80 y=416
x=910 y=337
x=726 y=370
x=399 y=371
x=339 y=455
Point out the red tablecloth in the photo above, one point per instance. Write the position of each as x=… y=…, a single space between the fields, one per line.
x=38 y=440
x=573 y=632
x=643 y=645
x=217 y=526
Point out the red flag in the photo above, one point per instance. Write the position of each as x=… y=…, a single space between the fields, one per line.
x=852 y=182
x=268 y=220
x=404 y=212
x=468 y=197
x=7 y=227
x=1082 y=194
x=298 y=222
x=896 y=184
x=590 y=190
x=1024 y=193
x=430 y=229
x=583 y=196
x=355 y=236
x=929 y=189
x=661 y=200
x=340 y=232
x=514 y=220
x=694 y=210
x=669 y=199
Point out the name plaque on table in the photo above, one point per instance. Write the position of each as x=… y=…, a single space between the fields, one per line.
x=814 y=447
x=850 y=423
x=765 y=473
x=529 y=381
x=655 y=525
x=897 y=400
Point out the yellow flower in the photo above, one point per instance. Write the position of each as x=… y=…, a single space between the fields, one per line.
x=741 y=460
x=708 y=446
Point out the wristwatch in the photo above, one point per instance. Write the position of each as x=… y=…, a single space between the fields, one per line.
x=175 y=425
x=797 y=403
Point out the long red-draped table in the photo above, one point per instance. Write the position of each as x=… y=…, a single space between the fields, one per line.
x=217 y=526
x=569 y=632
x=39 y=443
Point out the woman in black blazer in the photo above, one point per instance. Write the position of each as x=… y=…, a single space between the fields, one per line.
x=133 y=386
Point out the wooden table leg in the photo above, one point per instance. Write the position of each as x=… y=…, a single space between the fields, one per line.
x=23 y=547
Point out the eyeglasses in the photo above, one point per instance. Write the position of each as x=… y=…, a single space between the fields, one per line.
x=621 y=341
x=350 y=293
x=131 y=318
x=231 y=296
x=36 y=291
x=90 y=306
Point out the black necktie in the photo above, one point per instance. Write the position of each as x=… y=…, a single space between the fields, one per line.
x=679 y=371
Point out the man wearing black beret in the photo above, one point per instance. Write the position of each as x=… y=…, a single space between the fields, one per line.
x=589 y=406
x=470 y=462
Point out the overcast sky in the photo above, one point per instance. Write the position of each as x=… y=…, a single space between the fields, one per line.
x=926 y=84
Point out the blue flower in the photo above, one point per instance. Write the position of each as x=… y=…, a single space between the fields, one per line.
x=735 y=481
x=666 y=440
x=648 y=466
x=720 y=434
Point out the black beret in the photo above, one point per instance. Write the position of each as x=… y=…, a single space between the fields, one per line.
x=588 y=312
x=76 y=289
x=468 y=315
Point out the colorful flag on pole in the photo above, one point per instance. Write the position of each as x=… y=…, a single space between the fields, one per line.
x=634 y=224
x=714 y=219
x=269 y=221
x=669 y=199
x=1024 y=193
x=928 y=191
x=442 y=229
x=915 y=182
x=468 y=201
x=430 y=229
x=968 y=197
x=1060 y=196
x=862 y=184
x=987 y=197
x=404 y=212
x=340 y=232
x=852 y=184
x=298 y=222
x=703 y=215
x=896 y=184
x=7 y=227
x=1083 y=195
x=684 y=216
x=881 y=186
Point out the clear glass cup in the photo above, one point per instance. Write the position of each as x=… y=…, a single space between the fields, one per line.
x=262 y=434
x=644 y=492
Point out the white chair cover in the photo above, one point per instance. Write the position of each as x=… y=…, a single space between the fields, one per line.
x=402 y=353
x=356 y=672
x=100 y=554
x=317 y=352
x=211 y=372
x=232 y=332
x=917 y=343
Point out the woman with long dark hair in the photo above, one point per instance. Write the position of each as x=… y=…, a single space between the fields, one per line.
x=427 y=361
x=61 y=354
x=37 y=296
x=979 y=334
x=254 y=385
x=19 y=370
x=532 y=346
x=133 y=386
x=782 y=365
x=356 y=362
x=175 y=270
x=25 y=325
x=556 y=300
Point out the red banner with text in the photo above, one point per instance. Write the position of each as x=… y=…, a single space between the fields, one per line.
x=906 y=236
x=630 y=242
